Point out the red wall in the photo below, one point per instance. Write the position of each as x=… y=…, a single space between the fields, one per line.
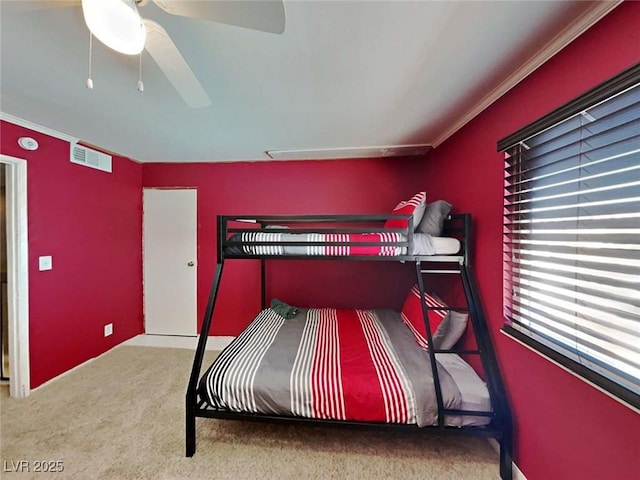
x=91 y=223
x=564 y=427
x=322 y=187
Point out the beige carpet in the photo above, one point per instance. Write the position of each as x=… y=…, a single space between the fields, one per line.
x=122 y=417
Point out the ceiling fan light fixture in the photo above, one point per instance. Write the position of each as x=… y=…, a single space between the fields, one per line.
x=116 y=23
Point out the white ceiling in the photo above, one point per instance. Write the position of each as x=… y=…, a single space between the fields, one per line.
x=343 y=74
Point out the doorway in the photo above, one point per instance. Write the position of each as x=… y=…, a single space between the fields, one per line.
x=169 y=227
x=17 y=274
x=4 y=312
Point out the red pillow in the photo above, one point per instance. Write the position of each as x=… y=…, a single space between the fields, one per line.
x=412 y=316
x=415 y=206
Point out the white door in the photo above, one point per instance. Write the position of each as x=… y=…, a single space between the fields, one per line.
x=169 y=257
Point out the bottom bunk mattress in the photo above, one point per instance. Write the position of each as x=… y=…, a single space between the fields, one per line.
x=357 y=365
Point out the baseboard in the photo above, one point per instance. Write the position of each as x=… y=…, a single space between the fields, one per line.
x=517 y=474
x=63 y=374
x=177 y=341
x=166 y=341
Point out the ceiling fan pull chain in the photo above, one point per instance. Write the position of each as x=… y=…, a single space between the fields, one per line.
x=140 y=84
x=89 y=80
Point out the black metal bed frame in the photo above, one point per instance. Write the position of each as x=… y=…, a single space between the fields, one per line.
x=458 y=225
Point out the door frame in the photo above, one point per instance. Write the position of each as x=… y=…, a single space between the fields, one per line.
x=17 y=275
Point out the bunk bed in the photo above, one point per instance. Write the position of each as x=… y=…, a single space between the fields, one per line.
x=431 y=387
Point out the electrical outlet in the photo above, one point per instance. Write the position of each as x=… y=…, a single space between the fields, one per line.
x=108 y=329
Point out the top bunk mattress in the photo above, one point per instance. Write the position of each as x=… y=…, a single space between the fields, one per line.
x=342 y=236
x=340 y=244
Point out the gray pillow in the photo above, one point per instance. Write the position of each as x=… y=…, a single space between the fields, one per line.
x=440 y=335
x=418 y=214
x=433 y=218
x=456 y=326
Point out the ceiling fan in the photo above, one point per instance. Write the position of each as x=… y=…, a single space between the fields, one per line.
x=118 y=24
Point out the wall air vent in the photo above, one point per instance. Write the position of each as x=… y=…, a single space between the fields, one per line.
x=90 y=158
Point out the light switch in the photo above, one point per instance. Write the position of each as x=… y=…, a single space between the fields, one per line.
x=46 y=263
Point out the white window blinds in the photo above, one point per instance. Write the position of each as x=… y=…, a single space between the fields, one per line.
x=572 y=240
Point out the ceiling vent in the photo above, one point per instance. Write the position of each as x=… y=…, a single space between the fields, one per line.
x=90 y=158
x=350 y=152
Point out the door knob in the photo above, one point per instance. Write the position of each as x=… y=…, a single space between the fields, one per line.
x=191 y=263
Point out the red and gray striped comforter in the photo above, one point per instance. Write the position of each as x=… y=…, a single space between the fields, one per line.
x=359 y=365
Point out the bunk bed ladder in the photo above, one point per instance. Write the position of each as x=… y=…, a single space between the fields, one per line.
x=431 y=351
x=497 y=392
x=496 y=387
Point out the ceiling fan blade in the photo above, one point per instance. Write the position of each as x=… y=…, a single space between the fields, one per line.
x=172 y=63
x=264 y=15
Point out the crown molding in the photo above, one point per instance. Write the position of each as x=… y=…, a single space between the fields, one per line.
x=37 y=128
x=568 y=35
x=56 y=134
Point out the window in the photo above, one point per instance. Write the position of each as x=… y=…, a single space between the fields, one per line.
x=572 y=236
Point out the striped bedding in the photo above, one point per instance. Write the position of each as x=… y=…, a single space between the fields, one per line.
x=359 y=365
x=275 y=243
